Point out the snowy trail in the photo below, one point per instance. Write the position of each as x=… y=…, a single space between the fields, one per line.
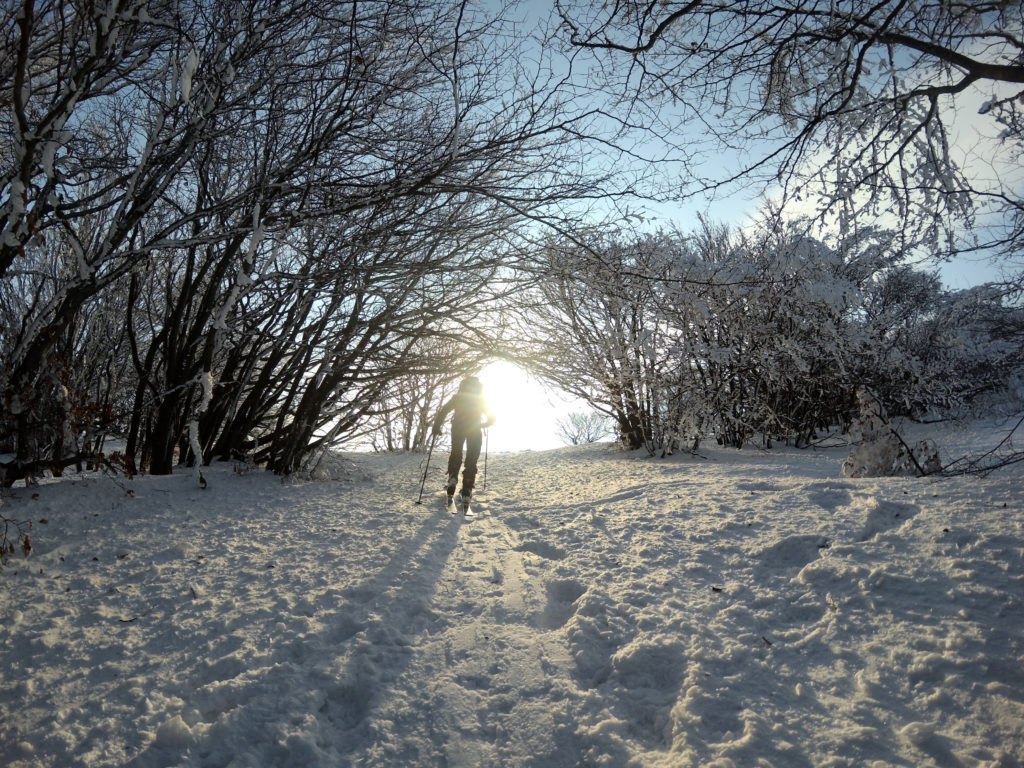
x=484 y=678
x=604 y=609
x=485 y=683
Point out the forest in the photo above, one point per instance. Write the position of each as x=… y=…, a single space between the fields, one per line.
x=259 y=230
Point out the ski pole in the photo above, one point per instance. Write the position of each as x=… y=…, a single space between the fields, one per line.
x=426 y=469
x=487 y=439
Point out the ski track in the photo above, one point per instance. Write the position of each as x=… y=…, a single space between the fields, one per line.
x=602 y=609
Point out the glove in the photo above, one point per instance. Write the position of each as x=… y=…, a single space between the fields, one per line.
x=437 y=430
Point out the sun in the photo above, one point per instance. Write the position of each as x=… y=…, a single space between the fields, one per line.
x=526 y=412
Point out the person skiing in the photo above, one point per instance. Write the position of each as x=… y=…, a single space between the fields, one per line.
x=471 y=414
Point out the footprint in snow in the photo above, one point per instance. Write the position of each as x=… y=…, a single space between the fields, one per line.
x=792 y=551
x=542 y=549
x=561 y=603
x=884 y=516
x=829 y=495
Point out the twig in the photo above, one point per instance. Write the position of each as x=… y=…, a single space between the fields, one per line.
x=910 y=452
x=973 y=466
x=7 y=544
x=110 y=472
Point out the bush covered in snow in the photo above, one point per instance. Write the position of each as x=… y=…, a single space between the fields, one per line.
x=879 y=450
x=763 y=335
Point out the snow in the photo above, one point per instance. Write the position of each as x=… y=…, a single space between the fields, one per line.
x=605 y=609
x=187 y=73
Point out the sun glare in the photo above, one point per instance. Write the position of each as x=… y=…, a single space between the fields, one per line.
x=526 y=412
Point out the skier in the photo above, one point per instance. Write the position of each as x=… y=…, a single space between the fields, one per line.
x=471 y=415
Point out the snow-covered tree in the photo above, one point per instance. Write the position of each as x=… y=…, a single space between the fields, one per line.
x=594 y=332
x=878 y=448
x=285 y=196
x=851 y=106
x=758 y=336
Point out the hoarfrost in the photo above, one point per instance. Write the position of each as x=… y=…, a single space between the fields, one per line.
x=187 y=72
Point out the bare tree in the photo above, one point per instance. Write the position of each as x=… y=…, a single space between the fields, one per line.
x=580 y=428
x=595 y=335
x=850 y=106
x=279 y=200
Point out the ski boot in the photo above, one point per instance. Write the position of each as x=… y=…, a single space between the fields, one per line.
x=449 y=490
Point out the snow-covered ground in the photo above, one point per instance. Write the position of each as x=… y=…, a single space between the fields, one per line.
x=606 y=609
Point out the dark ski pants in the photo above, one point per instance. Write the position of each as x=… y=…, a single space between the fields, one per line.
x=473 y=440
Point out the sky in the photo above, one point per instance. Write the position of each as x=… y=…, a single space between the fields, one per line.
x=975 y=144
x=527 y=412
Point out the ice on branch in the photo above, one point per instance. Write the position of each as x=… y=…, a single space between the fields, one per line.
x=206 y=387
x=197 y=450
x=187 y=72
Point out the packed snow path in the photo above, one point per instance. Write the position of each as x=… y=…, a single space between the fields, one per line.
x=605 y=609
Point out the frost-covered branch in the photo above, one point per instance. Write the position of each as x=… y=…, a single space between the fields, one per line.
x=844 y=106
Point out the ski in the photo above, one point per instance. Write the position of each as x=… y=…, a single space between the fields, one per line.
x=455 y=504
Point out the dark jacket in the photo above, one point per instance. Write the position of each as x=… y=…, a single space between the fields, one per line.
x=471 y=412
